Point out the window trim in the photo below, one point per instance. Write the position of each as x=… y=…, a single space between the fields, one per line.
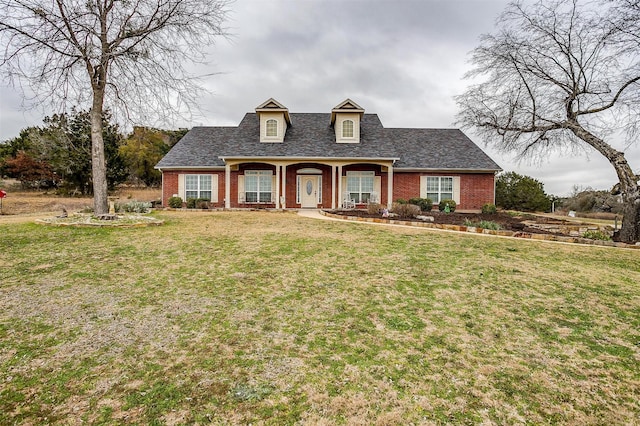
x=257 y=174
x=358 y=196
x=199 y=187
x=271 y=124
x=440 y=190
x=353 y=131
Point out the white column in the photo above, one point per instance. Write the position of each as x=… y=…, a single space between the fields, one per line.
x=333 y=187
x=227 y=186
x=277 y=186
x=284 y=186
x=390 y=186
x=340 y=186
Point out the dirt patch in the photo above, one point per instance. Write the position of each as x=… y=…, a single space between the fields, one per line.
x=21 y=206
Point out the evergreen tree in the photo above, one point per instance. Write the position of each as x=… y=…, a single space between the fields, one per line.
x=522 y=193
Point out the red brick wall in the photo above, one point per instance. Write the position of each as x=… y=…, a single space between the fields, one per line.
x=476 y=189
x=170 y=184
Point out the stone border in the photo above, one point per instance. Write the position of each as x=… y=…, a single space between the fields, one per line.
x=475 y=230
x=107 y=223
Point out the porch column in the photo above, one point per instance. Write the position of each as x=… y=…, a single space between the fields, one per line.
x=390 y=186
x=277 y=186
x=340 y=186
x=333 y=187
x=284 y=186
x=227 y=186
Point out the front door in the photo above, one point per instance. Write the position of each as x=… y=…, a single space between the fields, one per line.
x=309 y=191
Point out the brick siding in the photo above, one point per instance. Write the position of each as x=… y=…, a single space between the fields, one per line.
x=476 y=189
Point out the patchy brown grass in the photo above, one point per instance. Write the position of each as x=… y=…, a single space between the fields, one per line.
x=270 y=318
x=35 y=202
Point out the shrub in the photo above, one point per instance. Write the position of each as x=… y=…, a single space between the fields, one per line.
x=133 y=207
x=443 y=204
x=484 y=224
x=405 y=210
x=518 y=192
x=401 y=201
x=202 y=204
x=374 y=208
x=175 y=202
x=596 y=235
x=425 y=204
x=197 y=203
x=489 y=209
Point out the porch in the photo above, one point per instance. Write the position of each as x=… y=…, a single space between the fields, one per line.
x=302 y=183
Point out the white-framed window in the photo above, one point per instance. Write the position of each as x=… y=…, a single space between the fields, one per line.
x=347 y=129
x=257 y=186
x=360 y=185
x=197 y=186
x=271 y=128
x=439 y=188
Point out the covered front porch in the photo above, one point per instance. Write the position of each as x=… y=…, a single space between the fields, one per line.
x=307 y=183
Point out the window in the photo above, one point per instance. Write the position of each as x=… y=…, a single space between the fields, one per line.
x=257 y=186
x=347 y=129
x=439 y=188
x=197 y=186
x=360 y=186
x=272 y=128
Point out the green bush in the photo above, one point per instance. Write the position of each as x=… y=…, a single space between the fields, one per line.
x=175 y=202
x=443 y=204
x=405 y=210
x=489 y=209
x=596 y=235
x=523 y=193
x=401 y=201
x=425 y=204
x=484 y=224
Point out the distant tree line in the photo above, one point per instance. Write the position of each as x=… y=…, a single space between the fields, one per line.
x=589 y=200
x=57 y=155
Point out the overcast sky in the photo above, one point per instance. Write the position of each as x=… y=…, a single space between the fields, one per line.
x=401 y=59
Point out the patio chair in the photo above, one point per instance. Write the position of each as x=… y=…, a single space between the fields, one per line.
x=348 y=202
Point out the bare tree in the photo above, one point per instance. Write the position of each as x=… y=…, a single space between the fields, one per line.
x=128 y=54
x=556 y=76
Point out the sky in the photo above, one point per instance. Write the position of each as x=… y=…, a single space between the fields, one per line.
x=402 y=59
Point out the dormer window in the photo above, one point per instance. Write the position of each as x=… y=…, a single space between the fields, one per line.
x=274 y=120
x=272 y=128
x=345 y=120
x=347 y=129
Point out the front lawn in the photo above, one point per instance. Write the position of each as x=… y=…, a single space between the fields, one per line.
x=270 y=318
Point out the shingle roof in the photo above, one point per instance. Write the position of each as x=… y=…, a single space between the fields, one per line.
x=311 y=135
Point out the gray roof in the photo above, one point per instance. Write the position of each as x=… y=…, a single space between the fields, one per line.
x=311 y=135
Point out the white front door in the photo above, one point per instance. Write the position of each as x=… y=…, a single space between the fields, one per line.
x=309 y=191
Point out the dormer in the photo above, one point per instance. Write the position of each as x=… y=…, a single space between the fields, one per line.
x=345 y=119
x=274 y=121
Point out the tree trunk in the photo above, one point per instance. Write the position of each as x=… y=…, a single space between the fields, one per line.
x=99 y=166
x=630 y=231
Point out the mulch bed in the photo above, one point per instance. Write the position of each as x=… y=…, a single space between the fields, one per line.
x=506 y=221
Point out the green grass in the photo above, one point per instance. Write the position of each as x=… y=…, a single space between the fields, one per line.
x=270 y=318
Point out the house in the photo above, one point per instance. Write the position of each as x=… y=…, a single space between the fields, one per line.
x=277 y=159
